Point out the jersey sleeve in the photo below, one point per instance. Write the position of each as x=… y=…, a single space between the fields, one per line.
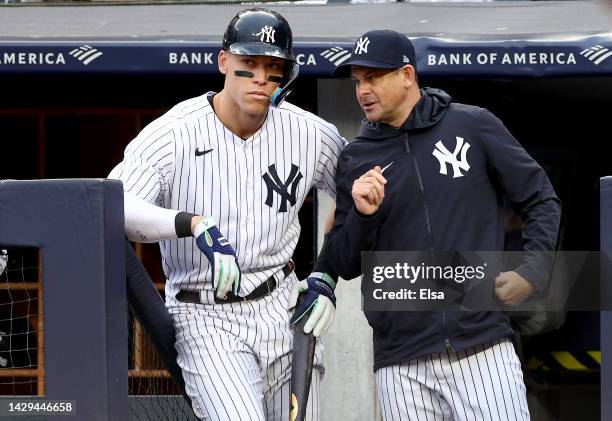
x=148 y=165
x=331 y=145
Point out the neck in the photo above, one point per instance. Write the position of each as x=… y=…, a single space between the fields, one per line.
x=405 y=108
x=238 y=122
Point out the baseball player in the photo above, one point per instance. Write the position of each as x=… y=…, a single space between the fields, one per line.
x=218 y=180
x=426 y=173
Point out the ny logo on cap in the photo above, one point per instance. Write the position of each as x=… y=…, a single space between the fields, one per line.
x=362 y=46
x=266 y=34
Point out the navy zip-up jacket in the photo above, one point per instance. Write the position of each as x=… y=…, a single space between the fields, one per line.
x=431 y=204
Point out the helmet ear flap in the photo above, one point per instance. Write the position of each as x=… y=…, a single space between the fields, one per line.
x=280 y=93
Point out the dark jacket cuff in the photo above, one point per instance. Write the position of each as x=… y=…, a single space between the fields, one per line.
x=532 y=277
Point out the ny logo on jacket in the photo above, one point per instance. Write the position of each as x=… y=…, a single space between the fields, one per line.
x=445 y=157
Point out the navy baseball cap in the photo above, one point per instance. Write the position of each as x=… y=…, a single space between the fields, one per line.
x=384 y=49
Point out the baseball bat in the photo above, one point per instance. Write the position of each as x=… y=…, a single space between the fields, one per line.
x=301 y=368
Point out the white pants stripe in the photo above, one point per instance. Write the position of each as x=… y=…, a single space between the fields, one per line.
x=236 y=358
x=481 y=383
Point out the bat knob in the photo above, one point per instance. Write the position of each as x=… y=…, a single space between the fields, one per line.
x=294 y=408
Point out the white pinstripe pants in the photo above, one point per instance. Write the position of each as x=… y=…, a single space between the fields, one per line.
x=236 y=358
x=480 y=383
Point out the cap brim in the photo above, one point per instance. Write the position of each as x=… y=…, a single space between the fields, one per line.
x=344 y=70
x=259 y=49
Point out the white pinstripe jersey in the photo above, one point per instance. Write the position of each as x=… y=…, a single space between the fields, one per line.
x=189 y=161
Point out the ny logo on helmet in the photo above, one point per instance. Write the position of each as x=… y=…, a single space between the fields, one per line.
x=362 y=46
x=445 y=157
x=266 y=34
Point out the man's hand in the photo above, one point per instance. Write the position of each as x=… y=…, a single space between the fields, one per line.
x=369 y=191
x=511 y=288
x=220 y=254
x=320 y=301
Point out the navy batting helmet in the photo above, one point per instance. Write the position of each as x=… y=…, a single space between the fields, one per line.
x=262 y=32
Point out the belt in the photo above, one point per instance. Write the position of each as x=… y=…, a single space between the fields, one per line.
x=191 y=296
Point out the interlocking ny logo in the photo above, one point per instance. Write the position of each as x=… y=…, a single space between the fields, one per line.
x=362 y=46
x=274 y=183
x=446 y=157
x=596 y=54
x=266 y=34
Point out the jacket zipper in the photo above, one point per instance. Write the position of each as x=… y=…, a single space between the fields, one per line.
x=447 y=343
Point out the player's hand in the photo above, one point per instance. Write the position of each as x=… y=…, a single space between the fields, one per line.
x=369 y=191
x=220 y=254
x=320 y=301
x=511 y=288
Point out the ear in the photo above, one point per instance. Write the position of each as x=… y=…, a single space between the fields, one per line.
x=223 y=62
x=409 y=75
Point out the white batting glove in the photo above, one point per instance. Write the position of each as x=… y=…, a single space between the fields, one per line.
x=319 y=300
x=220 y=254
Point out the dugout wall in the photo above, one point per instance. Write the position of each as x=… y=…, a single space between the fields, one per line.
x=544 y=68
x=77 y=226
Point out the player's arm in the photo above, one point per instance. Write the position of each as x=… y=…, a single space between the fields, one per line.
x=146 y=171
x=356 y=219
x=532 y=196
x=319 y=303
x=331 y=146
x=148 y=223
x=145 y=176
